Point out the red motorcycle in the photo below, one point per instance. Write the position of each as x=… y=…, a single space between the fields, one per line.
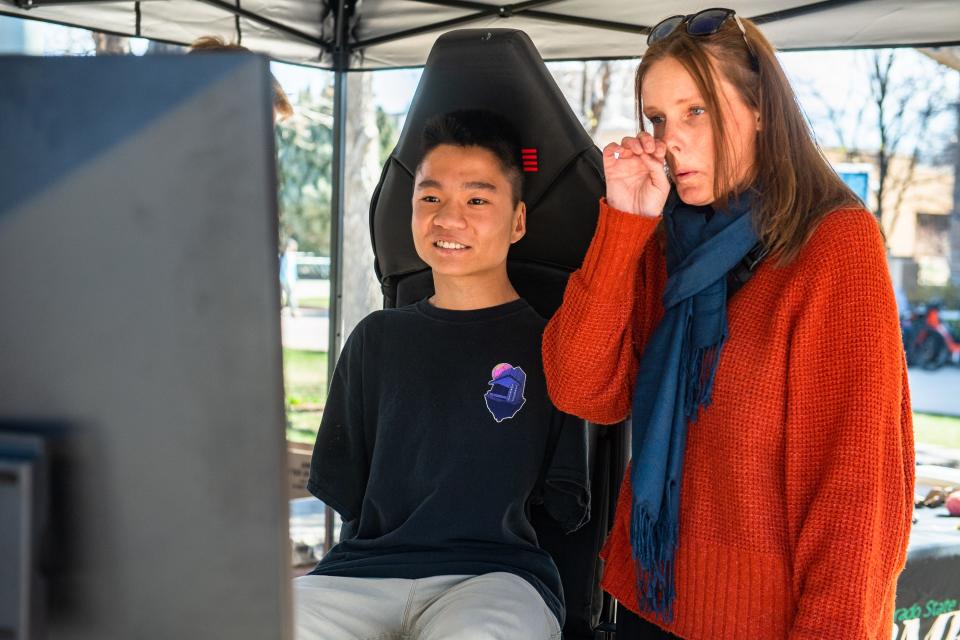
x=932 y=345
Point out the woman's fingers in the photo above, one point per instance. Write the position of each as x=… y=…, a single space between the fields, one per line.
x=651 y=163
x=615 y=151
x=631 y=143
x=654 y=167
x=647 y=142
x=634 y=146
x=627 y=148
x=660 y=150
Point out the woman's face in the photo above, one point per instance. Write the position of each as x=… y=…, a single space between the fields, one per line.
x=673 y=104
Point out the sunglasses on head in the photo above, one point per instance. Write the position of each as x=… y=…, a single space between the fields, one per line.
x=702 y=23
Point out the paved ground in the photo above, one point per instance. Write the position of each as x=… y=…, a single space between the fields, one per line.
x=936 y=391
x=308 y=330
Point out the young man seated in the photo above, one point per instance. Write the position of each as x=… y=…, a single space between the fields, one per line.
x=438 y=433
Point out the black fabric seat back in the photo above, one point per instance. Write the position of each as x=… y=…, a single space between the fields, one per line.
x=501 y=70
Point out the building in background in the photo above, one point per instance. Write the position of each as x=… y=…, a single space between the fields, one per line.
x=916 y=219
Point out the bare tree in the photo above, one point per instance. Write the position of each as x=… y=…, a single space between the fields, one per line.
x=594 y=88
x=839 y=118
x=950 y=57
x=903 y=111
x=361 y=290
x=899 y=108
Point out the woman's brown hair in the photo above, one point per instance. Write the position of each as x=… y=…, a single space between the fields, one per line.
x=204 y=44
x=796 y=185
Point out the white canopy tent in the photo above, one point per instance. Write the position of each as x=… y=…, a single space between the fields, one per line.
x=399 y=33
x=362 y=35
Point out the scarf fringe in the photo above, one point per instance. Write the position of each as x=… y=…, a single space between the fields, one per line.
x=702 y=369
x=654 y=547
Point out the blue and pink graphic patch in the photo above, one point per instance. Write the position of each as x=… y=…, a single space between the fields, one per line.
x=505 y=397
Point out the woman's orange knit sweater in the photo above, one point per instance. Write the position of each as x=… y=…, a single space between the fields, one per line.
x=797 y=492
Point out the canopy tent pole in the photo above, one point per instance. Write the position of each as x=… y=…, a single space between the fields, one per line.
x=341 y=63
x=802 y=10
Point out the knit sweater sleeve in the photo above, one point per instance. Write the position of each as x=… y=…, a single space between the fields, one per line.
x=590 y=345
x=849 y=437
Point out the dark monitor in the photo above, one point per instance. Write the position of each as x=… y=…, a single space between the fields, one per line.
x=142 y=448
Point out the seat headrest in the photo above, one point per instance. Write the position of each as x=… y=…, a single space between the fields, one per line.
x=499 y=70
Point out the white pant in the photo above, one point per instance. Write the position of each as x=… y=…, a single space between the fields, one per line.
x=493 y=606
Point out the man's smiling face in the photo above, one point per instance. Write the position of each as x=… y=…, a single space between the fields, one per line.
x=464 y=217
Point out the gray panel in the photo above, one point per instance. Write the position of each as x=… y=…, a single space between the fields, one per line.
x=139 y=307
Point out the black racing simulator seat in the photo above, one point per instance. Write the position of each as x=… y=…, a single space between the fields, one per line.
x=501 y=70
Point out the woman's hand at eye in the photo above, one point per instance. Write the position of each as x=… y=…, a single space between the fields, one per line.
x=636 y=180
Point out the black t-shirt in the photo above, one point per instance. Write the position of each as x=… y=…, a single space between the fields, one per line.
x=436 y=438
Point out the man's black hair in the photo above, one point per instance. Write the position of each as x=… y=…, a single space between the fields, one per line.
x=478 y=128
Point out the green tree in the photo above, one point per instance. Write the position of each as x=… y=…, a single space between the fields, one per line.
x=389 y=133
x=304 y=152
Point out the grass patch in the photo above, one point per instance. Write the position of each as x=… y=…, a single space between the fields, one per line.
x=314 y=303
x=305 y=377
x=942 y=431
x=302 y=426
x=305 y=386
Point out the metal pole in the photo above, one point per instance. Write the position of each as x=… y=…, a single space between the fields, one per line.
x=341 y=62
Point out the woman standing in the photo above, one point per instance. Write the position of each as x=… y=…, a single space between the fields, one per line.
x=771 y=484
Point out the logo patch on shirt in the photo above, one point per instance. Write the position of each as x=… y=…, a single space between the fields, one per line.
x=505 y=397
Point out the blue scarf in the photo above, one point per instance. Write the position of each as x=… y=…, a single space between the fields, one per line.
x=675 y=380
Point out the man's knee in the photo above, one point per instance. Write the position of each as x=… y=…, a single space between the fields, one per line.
x=497 y=606
x=332 y=608
x=531 y=628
